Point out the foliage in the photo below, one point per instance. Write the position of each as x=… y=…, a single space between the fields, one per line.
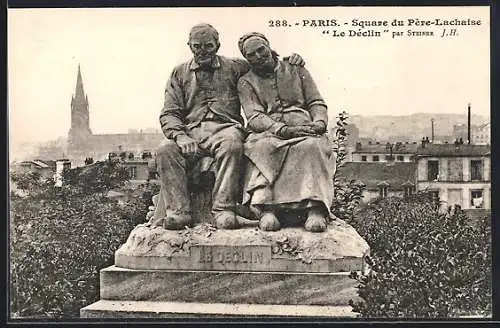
x=347 y=194
x=139 y=200
x=97 y=177
x=340 y=139
x=62 y=236
x=425 y=264
x=347 y=198
x=32 y=183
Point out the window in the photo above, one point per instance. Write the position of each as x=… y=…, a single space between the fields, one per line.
x=455 y=197
x=455 y=169
x=476 y=198
x=387 y=157
x=432 y=170
x=409 y=190
x=363 y=158
x=401 y=158
x=383 y=191
x=132 y=172
x=375 y=158
x=476 y=168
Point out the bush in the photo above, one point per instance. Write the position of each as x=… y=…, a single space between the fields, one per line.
x=424 y=264
x=347 y=198
x=139 y=200
x=62 y=237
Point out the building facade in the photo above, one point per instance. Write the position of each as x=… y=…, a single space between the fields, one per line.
x=380 y=152
x=457 y=174
x=482 y=135
x=381 y=179
x=141 y=167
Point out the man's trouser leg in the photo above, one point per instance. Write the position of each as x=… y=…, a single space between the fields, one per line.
x=227 y=149
x=174 y=196
x=224 y=143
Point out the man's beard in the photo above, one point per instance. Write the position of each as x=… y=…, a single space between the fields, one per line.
x=204 y=60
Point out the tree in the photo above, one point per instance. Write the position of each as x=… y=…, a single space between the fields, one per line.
x=425 y=264
x=348 y=195
x=98 y=177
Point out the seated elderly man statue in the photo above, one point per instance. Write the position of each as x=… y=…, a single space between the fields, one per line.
x=201 y=119
x=291 y=161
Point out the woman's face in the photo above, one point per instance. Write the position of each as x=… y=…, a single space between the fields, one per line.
x=258 y=53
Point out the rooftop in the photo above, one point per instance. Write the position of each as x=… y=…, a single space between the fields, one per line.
x=452 y=150
x=377 y=148
x=396 y=175
x=41 y=164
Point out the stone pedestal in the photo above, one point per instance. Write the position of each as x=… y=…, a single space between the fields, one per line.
x=246 y=272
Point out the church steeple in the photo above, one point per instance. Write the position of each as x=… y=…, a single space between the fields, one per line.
x=79 y=93
x=80 y=127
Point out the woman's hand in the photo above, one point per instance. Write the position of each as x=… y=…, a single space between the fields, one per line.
x=317 y=127
x=289 y=132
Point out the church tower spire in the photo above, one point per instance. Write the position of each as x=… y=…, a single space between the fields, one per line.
x=80 y=127
x=79 y=93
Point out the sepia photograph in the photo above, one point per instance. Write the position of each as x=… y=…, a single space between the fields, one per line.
x=317 y=163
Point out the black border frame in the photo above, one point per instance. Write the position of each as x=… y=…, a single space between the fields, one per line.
x=494 y=75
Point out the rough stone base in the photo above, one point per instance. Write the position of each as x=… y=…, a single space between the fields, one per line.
x=203 y=271
x=143 y=309
x=339 y=248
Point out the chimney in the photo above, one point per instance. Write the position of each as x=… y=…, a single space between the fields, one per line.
x=423 y=142
x=432 y=130
x=468 y=123
x=61 y=165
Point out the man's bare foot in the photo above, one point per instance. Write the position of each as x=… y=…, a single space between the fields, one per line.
x=316 y=221
x=225 y=220
x=176 y=221
x=269 y=222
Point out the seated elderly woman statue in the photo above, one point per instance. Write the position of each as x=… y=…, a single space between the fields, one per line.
x=291 y=162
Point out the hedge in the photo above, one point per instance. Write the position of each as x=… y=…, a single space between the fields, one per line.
x=425 y=264
x=62 y=237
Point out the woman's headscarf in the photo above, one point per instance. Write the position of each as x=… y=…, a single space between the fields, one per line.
x=251 y=35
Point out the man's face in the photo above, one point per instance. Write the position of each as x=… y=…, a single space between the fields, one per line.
x=258 y=54
x=204 y=48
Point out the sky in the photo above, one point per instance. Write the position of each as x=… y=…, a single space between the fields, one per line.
x=127 y=54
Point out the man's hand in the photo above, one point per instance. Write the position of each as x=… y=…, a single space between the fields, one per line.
x=288 y=132
x=296 y=59
x=188 y=145
x=317 y=127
